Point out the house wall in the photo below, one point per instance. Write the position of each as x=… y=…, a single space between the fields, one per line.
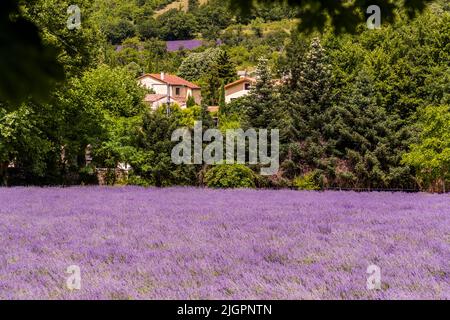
x=236 y=91
x=183 y=91
x=150 y=83
x=235 y=88
x=197 y=95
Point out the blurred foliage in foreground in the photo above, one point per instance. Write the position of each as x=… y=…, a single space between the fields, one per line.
x=343 y=16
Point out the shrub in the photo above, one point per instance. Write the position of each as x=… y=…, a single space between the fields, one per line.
x=138 y=181
x=306 y=182
x=230 y=176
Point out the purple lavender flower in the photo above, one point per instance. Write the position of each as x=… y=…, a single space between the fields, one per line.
x=176 y=45
x=187 y=243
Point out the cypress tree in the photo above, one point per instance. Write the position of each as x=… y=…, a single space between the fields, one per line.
x=222 y=104
x=190 y=101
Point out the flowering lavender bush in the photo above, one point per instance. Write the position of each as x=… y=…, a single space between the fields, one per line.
x=176 y=45
x=186 y=243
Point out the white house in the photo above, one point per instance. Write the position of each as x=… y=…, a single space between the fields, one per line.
x=238 y=88
x=169 y=88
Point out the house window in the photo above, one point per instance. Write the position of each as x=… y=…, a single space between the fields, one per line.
x=177 y=91
x=247 y=86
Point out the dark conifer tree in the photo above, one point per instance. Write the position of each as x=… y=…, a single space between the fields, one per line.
x=260 y=104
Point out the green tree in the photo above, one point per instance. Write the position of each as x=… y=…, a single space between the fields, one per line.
x=226 y=68
x=190 y=101
x=367 y=140
x=39 y=157
x=22 y=143
x=313 y=92
x=78 y=49
x=306 y=96
x=260 y=106
x=97 y=108
x=148 y=29
x=411 y=69
x=430 y=155
x=210 y=84
x=205 y=116
x=212 y=17
x=176 y=25
x=119 y=144
x=222 y=104
x=118 y=31
x=152 y=164
x=199 y=64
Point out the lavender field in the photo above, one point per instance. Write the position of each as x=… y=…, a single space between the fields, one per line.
x=186 y=243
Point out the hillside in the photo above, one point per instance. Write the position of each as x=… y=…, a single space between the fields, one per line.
x=141 y=25
x=178 y=4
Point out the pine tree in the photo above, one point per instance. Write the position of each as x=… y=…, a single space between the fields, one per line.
x=260 y=104
x=226 y=67
x=306 y=96
x=367 y=139
x=313 y=94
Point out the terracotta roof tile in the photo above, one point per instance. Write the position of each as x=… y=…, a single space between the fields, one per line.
x=243 y=79
x=153 y=97
x=156 y=97
x=171 y=79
